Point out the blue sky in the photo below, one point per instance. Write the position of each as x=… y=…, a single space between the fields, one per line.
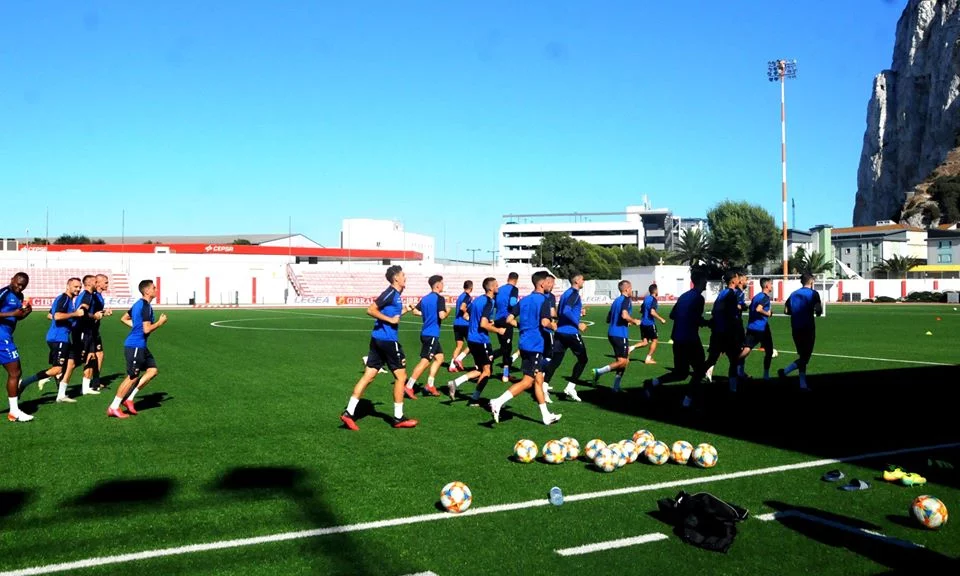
x=231 y=116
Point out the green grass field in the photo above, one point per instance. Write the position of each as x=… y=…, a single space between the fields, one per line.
x=239 y=437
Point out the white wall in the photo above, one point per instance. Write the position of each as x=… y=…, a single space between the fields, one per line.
x=370 y=234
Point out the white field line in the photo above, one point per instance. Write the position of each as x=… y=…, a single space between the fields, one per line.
x=345 y=317
x=611 y=544
x=378 y=524
x=427 y=573
x=839 y=526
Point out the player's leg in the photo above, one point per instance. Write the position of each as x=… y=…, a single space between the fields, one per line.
x=653 y=348
x=619 y=345
x=506 y=349
x=767 y=343
x=417 y=372
x=372 y=367
x=89 y=364
x=11 y=363
x=134 y=358
x=575 y=343
x=679 y=372
x=641 y=344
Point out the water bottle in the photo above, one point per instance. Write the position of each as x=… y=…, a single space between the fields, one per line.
x=556 y=496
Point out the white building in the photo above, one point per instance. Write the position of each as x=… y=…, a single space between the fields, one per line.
x=862 y=248
x=370 y=234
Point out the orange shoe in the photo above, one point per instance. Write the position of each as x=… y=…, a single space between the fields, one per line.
x=431 y=391
x=116 y=413
x=348 y=421
x=410 y=393
x=128 y=404
x=404 y=423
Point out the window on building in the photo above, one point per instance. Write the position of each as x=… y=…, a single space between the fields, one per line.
x=945 y=259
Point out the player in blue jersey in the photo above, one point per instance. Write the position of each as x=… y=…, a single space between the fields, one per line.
x=385 y=350
x=726 y=335
x=433 y=309
x=481 y=313
x=532 y=317
x=802 y=306
x=549 y=333
x=570 y=325
x=461 y=322
x=102 y=284
x=619 y=319
x=82 y=349
x=758 y=327
x=506 y=302
x=687 y=316
x=141 y=365
x=58 y=340
x=13 y=308
x=739 y=292
x=648 y=323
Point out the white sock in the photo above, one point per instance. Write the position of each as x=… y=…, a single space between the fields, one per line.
x=790 y=368
x=62 y=391
x=603 y=370
x=85 y=385
x=14 y=409
x=430 y=382
x=544 y=412
x=461 y=379
x=410 y=383
x=515 y=356
x=462 y=356
x=115 y=405
x=352 y=405
x=133 y=393
x=398 y=410
x=504 y=398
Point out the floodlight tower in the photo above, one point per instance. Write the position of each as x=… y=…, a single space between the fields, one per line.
x=779 y=71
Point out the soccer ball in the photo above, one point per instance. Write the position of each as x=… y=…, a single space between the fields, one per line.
x=658 y=453
x=605 y=460
x=573 y=447
x=554 y=452
x=705 y=456
x=594 y=447
x=620 y=455
x=681 y=451
x=525 y=451
x=456 y=497
x=643 y=437
x=929 y=511
x=630 y=449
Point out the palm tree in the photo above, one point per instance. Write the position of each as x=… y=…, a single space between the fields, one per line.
x=814 y=263
x=897 y=266
x=693 y=248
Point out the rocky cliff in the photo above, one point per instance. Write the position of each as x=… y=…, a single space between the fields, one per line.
x=913 y=118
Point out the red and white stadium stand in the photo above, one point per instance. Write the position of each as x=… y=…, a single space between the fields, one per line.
x=49 y=282
x=337 y=283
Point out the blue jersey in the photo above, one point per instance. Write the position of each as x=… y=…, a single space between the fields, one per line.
x=802 y=305
x=549 y=305
x=741 y=301
x=757 y=321
x=569 y=312
x=389 y=304
x=141 y=312
x=506 y=299
x=687 y=316
x=431 y=306
x=9 y=302
x=481 y=307
x=459 y=320
x=533 y=308
x=618 y=326
x=648 y=306
x=726 y=313
x=59 y=330
x=84 y=323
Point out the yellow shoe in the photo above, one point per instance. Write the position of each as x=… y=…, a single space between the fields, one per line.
x=913 y=479
x=893 y=474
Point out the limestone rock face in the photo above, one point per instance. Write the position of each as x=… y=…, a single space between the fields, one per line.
x=913 y=118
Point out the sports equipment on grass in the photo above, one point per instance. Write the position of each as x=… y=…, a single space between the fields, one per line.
x=606 y=460
x=573 y=447
x=456 y=497
x=554 y=452
x=929 y=512
x=657 y=453
x=705 y=456
x=593 y=448
x=525 y=450
x=681 y=451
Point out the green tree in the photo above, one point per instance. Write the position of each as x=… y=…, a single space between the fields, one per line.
x=561 y=253
x=241 y=242
x=600 y=263
x=72 y=239
x=741 y=234
x=39 y=241
x=694 y=247
x=631 y=256
x=897 y=266
x=99 y=241
x=814 y=263
x=945 y=192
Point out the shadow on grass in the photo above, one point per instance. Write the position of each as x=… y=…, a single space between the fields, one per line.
x=151 y=401
x=133 y=492
x=12 y=501
x=111 y=378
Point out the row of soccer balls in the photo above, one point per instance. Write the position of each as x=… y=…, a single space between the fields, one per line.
x=609 y=457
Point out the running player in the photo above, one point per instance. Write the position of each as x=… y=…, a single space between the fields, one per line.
x=101 y=284
x=506 y=300
x=740 y=294
x=461 y=323
x=648 y=323
x=533 y=318
x=548 y=333
x=482 y=311
x=726 y=329
x=433 y=309
x=385 y=349
x=570 y=312
x=619 y=319
x=141 y=365
x=82 y=352
x=13 y=308
x=58 y=340
x=758 y=327
x=802 y=306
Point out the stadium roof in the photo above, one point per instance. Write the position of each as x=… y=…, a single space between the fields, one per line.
x=883 y=228
x=208 y=239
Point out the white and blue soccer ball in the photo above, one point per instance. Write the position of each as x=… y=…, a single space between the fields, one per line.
x=456 y=497
x=705 y=455
x=593 y=448
x=621 y=456
x=525 y=451
x=657 y=453
x=606 y=460
x=629 y=448
x=573 y=447
x=929 y=511
x=681 y=451
x=554 y=452
x=643 y=437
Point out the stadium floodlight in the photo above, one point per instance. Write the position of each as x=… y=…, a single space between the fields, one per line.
x=473 y=253
x=779 y=71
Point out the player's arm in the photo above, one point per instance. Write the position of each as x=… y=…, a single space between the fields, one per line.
x=417 y=310
x=760 y=310
x=786 y=307
x=149 y=326
x=441 y=308
x=375 y=310
x=568 y=313
x=126 y=319
x=817 y=304
x=512 y=320
x=487 y=325
x=625 y=315
x=655 y=314
x=547 y=315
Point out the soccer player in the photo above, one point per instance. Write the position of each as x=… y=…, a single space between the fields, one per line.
x=570 y=312
x=548 y=333
x=802 y=306
x=619 y=319
x=102 y=284
x=13 y=308
x=58 y=340
x=648 y=323
x=433 y=309
x=506 y=301
x=726 y=328
x=687 y=316
x=758 y=327
x=482 y=311
x=461 y=322
x=82 y=352
x=385 y=349
x=738 y=291
x=141 y=365
x=532 y=318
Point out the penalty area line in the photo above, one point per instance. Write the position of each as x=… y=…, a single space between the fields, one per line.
x=376 y=525
x=873 y=534
x=611 y=544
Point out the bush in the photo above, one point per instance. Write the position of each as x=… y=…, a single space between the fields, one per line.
x=867 y=300
x=884 y=300
x=925 y=297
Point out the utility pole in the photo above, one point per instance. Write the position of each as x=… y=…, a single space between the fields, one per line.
x=779 y=71
x=473 y=253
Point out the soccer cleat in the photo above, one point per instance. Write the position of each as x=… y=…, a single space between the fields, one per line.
x=452 y=390
x=409 y=393
x=893 y=473
x=596 y=375
x=430 y=391
x=451 y=368
x=19 y=417
x=90 y=391
x=552 y=419
x=41 y=382
x=458 y=364
x=547 y=387
x=128 y=404
x=913 y=479
x=495 y=410
x=116 y=413
x=404 y=422
x=571 y=392
x=505 y=379
x=348 y=421
x=65 y=400
x=781 y=373
x=474 y=403
x=649 y=360
x=709 y=374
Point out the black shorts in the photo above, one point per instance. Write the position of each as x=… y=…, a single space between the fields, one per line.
x=531 y=363
x=571 y=342
x=648 y=332
x=687 y=356
x=138 y=360
x=97 y=341
x=507 y=337
x=549 y=339
x=460 y=333
x=385 y=352
x=59 y=353
x=762 y=337
x=725 y=343
x=430 y=347
x=621 y=346
x=82 y=344
x=482 y=353
x=804 y=341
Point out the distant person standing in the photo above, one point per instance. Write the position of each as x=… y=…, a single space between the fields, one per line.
x=802 y=306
